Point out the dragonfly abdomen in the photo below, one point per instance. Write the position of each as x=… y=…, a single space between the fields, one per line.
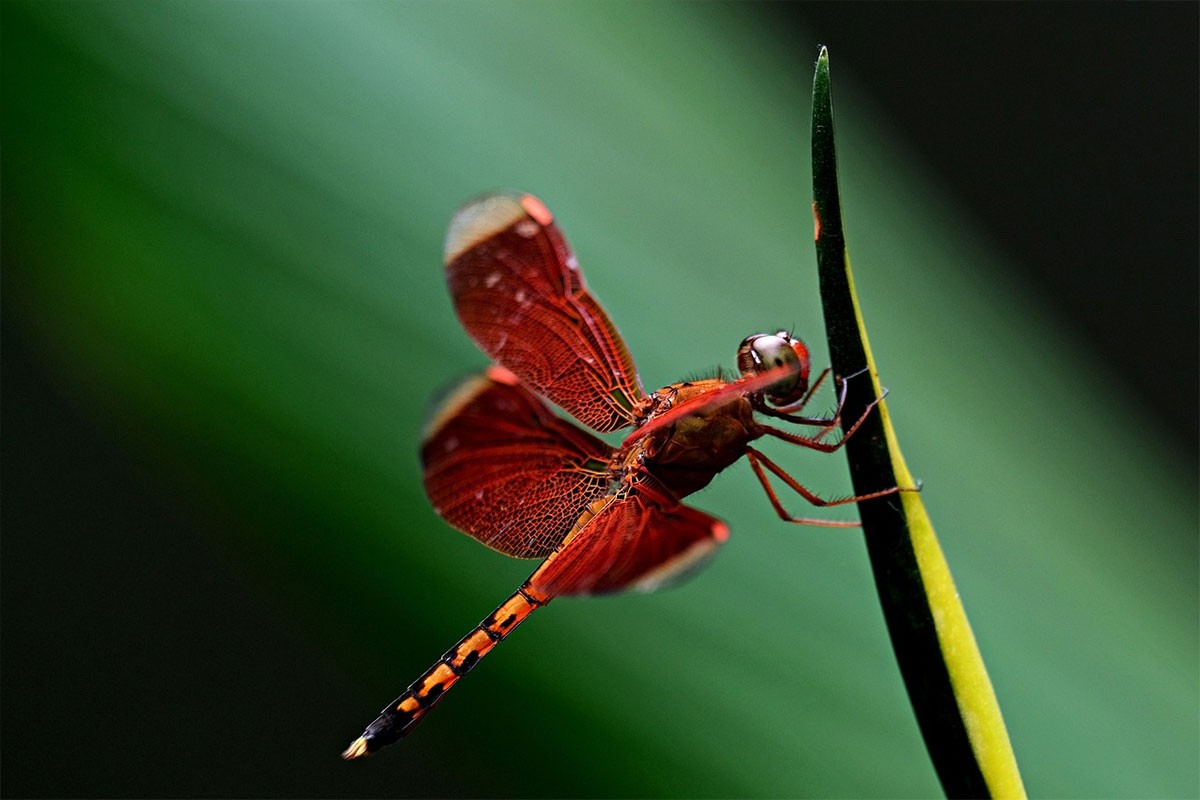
x=402 y=715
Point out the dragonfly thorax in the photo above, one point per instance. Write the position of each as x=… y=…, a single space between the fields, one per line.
x=686 y=455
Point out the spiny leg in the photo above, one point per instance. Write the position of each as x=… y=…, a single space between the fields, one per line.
x=402 y=715
x=827 y=424
x=758 y=461
x=788 y=412
x=803 y=401
x=814 y=442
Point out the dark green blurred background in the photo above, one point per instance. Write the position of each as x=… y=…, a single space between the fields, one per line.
x=223 y=313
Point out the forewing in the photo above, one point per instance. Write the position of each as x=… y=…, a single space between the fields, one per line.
x=640 y=542
x=519 y=293
x=501 y=467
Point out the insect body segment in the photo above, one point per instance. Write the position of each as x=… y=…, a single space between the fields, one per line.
x=402 y=714
x=501 y=466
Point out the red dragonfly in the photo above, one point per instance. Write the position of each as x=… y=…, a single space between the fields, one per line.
x=503 y=468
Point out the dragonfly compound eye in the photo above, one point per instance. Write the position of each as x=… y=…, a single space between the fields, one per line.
x=767 y=351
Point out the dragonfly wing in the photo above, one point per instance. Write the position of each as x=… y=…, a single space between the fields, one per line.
x=640 y=542
x=519 y=292
x=500 y=466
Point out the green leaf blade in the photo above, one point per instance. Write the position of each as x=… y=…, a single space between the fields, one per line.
x=939 y=659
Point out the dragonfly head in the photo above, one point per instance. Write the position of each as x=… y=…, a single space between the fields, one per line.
x=767 y=351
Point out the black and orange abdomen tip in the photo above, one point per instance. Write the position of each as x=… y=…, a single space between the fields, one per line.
x=357 y=749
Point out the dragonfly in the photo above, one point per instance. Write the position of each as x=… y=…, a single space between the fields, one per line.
x=501 y=466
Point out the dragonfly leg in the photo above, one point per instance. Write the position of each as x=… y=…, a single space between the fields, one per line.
x=402 y=715
x=758 y=461
x=814 y=442
x=827 y=424
x=803 y=401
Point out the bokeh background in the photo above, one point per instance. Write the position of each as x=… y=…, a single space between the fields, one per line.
x=223 y=314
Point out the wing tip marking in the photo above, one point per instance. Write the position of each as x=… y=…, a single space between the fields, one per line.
x=536 y=209
x=452 y=403
x=481 y=219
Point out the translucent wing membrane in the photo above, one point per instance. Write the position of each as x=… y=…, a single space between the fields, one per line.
x=640 y=542
x=519 y=293
x=501 y=467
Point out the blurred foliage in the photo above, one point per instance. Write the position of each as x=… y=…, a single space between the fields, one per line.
x=222 y=235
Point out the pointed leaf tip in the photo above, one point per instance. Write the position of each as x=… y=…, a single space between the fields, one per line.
x=821 y=73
